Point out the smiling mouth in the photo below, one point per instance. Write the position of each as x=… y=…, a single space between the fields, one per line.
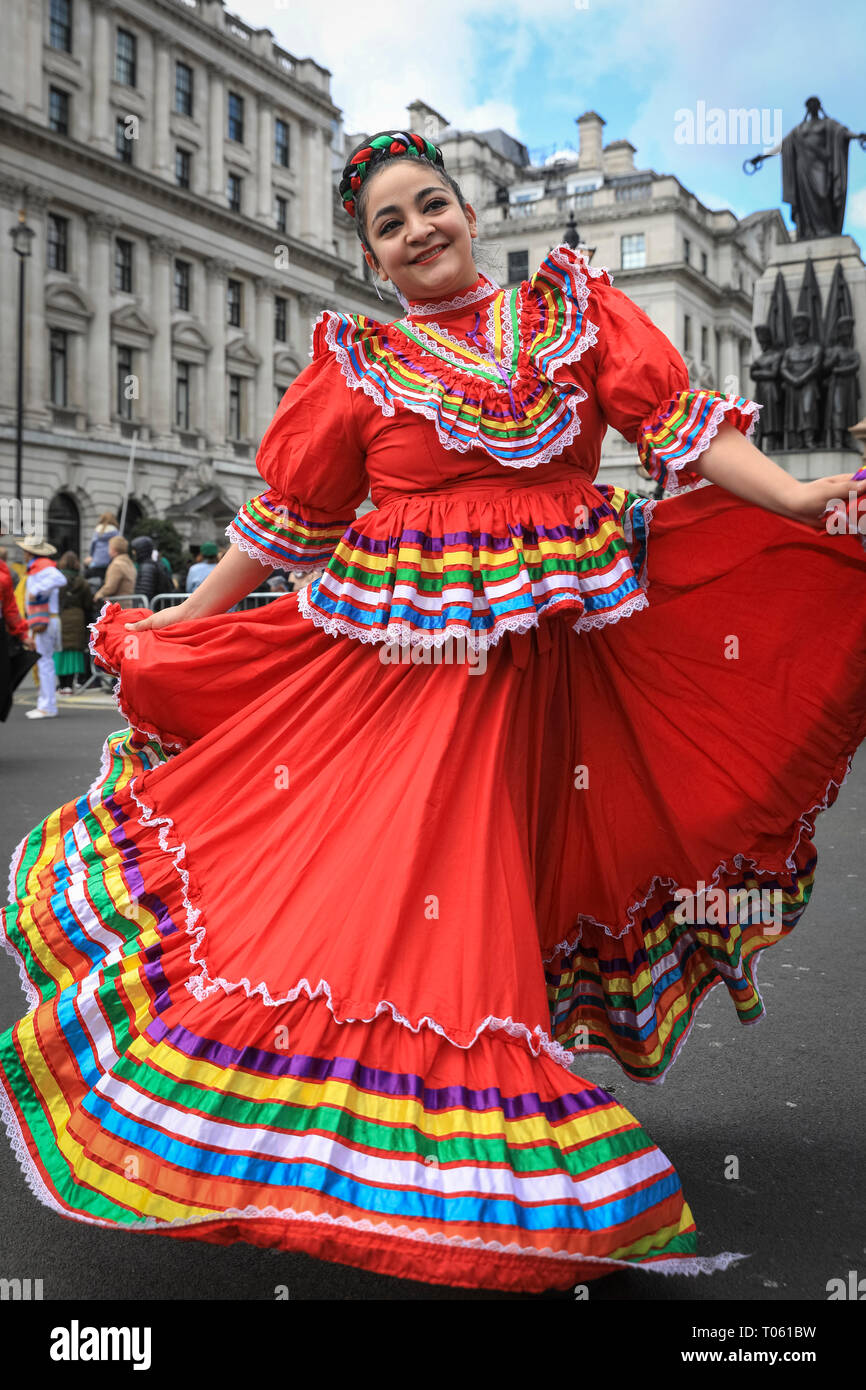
x=430 y=256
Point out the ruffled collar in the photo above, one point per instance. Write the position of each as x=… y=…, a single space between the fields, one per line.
x=481 y=290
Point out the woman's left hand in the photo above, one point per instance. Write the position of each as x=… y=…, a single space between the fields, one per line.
x=810 y=502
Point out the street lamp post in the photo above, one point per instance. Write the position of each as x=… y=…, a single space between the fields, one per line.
x=21 y=235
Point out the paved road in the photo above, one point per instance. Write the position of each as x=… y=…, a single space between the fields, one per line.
x=786 y=1096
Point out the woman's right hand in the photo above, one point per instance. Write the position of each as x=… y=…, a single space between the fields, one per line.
x=165 y=617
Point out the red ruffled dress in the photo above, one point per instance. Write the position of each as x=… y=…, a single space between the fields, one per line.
x=373 y=867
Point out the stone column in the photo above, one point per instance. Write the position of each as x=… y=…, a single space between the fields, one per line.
x=10 y=202
x=307 y=212
x=101 y=59
x=100 y=364
x=163 y=162
x=265 y=208
x=36 y=20
x=262 y=412
x=729 y=361
x=214 y=422
x=216 y=133
x=327 y=217
x=162 y=252
x=36 y=383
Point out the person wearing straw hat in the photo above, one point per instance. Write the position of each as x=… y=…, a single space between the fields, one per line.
x=42 y=597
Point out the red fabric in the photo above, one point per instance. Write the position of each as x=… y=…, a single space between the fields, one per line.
x=15 y=624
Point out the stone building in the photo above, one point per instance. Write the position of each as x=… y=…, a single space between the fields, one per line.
x=177 y=168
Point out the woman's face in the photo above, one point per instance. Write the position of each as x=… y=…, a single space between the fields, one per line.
x=404 y=221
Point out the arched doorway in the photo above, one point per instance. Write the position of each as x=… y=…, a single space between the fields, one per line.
x=134 y=513
x=64 y=523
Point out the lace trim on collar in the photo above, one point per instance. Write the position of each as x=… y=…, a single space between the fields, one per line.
x=420 y=307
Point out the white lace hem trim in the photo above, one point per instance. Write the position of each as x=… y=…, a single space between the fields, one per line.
x=672 y=482
x=517 y=623
x=115 y=693
x=271 y=561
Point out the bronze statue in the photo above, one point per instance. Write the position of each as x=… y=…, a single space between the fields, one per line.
x=801 y=368
x=814 y=171
x=842 y=368
x=765 y=371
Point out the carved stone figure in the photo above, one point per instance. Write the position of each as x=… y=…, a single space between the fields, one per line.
x=842 y=370
x=801 y=371
x=765 y=371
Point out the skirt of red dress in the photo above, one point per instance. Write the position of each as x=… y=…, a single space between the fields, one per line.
x=310 y=963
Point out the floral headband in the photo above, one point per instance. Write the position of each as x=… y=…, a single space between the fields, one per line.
x=379 y=147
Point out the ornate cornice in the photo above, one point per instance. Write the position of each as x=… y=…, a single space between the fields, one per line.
x=164 y=246
x=103 y=222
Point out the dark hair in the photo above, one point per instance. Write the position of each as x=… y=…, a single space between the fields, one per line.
x=363 y=192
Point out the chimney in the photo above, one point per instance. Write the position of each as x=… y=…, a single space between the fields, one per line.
x=589 y=126
x=425 y=121
x=619 y=157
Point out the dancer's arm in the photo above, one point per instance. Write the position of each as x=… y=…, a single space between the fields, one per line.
x=734 y=463
x=236 y=575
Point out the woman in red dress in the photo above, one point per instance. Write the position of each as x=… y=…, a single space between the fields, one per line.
x=372 y=867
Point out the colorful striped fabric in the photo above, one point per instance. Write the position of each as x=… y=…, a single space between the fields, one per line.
x=502 y=400
x=133 y=1105
x=422 y=586
x=275 y=530
x=681 y=428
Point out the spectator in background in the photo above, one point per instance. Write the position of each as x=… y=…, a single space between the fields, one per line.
x=100 y=555
x=205 y=561
x=153 y=577
x=120 y=575
x=76 y=611
x=42 y=596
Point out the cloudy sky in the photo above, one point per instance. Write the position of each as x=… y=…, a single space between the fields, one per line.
x=532 y=66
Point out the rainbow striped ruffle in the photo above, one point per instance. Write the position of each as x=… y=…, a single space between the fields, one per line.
x=133 y=1105
x=681 y=428
x=276 y=531
x=423 y=584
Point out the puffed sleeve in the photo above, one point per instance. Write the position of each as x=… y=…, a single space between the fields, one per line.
x=642 y=384
x=312 y=459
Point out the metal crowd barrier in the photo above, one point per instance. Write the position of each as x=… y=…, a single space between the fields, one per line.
x=249 y=601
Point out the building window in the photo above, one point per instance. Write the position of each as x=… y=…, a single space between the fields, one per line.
x=233 y=293
x=60 y=25
x=183 y=89
x=181 y=284
x=236 y=117
x=518 y=266
x=122 y=144
x=703 y=262
x=687 y=333
x=233 y=192
x=235 y=402
x=739 y=278
x=705 y=343
x=58 y=111
x=124 y=371
x=687 y=250
x=280 y=320
x=123 y=265
x=182 y=165
x=181 y=395
x=281 y=143
x=57 y=242
x=632 y=251
x=124 y=58
x=58 y=350
x=281 y=213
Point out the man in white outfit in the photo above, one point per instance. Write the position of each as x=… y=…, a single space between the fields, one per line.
x=42 y=597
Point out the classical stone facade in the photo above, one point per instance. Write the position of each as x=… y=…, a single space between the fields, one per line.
x=177 y=169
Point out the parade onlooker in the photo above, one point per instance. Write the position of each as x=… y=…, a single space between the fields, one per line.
x=100 y=555
x=153 y=577
x=13 y=629
x=42 y=596
x=76 y=611
x=205 y=561
x=120 y=574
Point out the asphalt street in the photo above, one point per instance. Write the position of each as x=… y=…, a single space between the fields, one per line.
x=785 y=1096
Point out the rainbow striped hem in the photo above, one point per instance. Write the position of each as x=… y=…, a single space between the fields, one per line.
x=134 y=1106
